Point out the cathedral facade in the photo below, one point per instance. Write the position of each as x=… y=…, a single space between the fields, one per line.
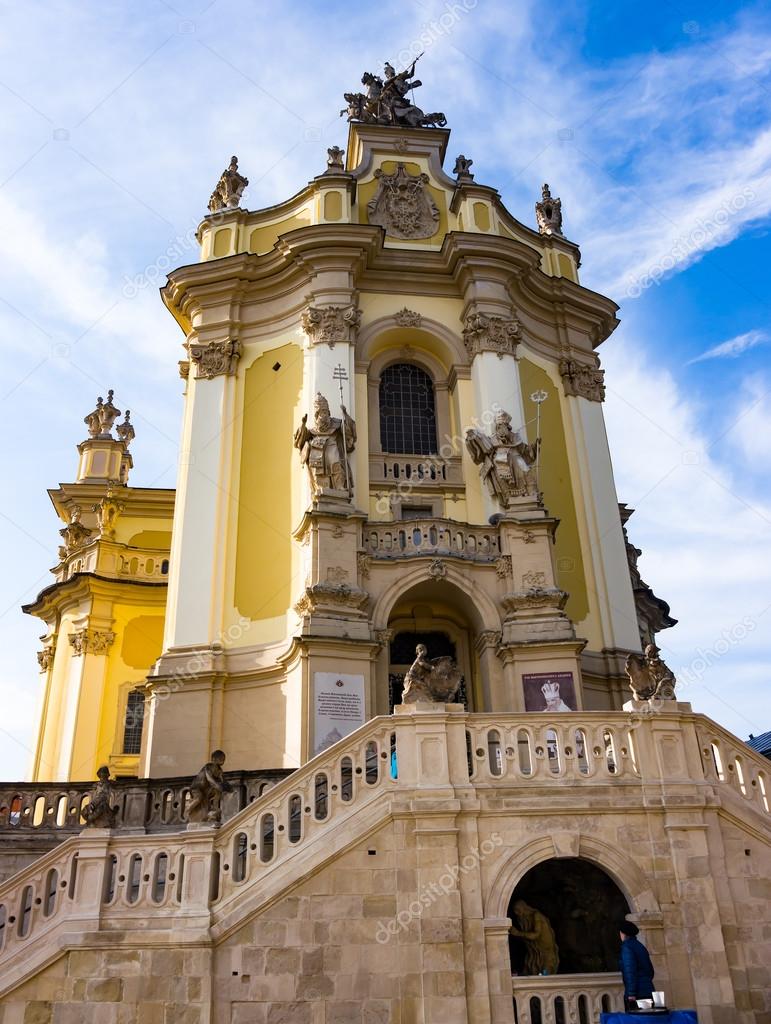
x=394 y=587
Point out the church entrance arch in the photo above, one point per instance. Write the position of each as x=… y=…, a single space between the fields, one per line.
x=582 y=906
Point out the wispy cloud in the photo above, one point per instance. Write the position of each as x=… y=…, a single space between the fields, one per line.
x=734 y=346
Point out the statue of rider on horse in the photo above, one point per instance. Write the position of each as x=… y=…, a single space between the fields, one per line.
x=385 y=102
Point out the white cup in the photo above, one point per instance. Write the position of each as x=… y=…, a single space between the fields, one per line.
x=658 y=999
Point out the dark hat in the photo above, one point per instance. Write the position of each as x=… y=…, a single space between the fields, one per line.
x=628 y=928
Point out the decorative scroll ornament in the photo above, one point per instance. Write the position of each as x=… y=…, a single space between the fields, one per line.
x=488 y=638
x=548 y=213
x=328 y=325
x=45 y=656
x=583 y=380
x=535 y=597
x=403 y=205
x=107 y=512
x=91 y=641
x=437 y=569
x=507 y=463
x=229 y=189
x=386 y=102
x=650 y=678
x=75 y=534
x=214 y=358
x=461 y=170
x=408 y=318
x=334 y=598
x=483 y=333
x=100 y=421
x=503 y=567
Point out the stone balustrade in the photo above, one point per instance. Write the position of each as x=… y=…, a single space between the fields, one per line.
x=434 y=537
x=729 y=762
x=418 y=472
x=153 y=805
x=99 y=880
x=573 y=998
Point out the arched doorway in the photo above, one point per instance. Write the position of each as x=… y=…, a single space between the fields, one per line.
x=582 y=904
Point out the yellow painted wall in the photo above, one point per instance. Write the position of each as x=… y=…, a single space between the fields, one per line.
x=263 y=239
x=150 y=539
x=263 y=576
x=557 y=488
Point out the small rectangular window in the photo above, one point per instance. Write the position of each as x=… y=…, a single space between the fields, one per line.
x=417 y=511
x=132 y=726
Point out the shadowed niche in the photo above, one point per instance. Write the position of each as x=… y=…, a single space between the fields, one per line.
x=583 y=906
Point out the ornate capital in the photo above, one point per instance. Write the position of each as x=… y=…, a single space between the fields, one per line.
x=75 y=534
x=583 y=380
x=332 y=598
x=384 y=636
x=488 y=638
x=408 y=318
x=45 y=656
x=91 y=641
x=327 y=325
x=483 y=333
x=184 y=368
x=215 y=358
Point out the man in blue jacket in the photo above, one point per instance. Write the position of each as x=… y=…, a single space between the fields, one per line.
x=635 y=966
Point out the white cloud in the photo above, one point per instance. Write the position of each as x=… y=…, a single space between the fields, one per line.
x=734 y=346
x=704 y=533
x=752 y=426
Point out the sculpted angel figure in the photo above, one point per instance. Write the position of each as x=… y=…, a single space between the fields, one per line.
x=324 y=446
x=507 y=462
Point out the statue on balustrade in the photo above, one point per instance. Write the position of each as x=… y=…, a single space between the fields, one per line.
x=432 y=680
x=324 y=446
x=533 y=927
x=507 y=462
x=650 y=678
x=206 y=791
x=99 y=811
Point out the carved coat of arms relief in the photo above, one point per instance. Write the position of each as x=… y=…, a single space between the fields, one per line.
x=403 y=205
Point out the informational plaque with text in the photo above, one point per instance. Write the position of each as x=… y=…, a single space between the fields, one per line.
x=339 y=707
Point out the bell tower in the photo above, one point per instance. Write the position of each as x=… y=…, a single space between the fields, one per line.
x=392 y=427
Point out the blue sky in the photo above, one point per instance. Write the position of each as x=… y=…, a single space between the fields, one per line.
x=651 y=121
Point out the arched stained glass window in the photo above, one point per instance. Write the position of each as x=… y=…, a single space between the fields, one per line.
x=407 y=414
x=132 y=726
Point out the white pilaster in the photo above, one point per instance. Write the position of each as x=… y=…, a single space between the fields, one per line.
x=595 y=489
x=197 y=559
x=496 y=386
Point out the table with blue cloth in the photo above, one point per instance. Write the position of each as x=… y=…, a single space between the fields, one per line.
x=673 y=1017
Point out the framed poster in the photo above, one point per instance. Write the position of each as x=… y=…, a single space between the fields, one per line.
x=549 y=691
x=338 y=702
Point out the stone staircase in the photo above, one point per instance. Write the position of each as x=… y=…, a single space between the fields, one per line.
x=429 y=763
